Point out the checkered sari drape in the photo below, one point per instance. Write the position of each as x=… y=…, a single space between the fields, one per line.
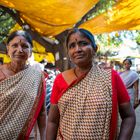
x=85 y=108
x=19 y=95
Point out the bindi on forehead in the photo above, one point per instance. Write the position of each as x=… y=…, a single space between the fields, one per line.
x=16 y=42
x=20 y=41
x=76 y=40
x=76 y=37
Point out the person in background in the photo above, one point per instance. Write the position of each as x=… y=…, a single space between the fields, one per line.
x=105 y=65
x=131 y=81
x=51 y=72
x=22 y=92
x=102 y=65
x=85 y=99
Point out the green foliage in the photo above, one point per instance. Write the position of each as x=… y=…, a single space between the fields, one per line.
x=110 y=39
x=114 y=39
x=101 y=7
x=138 y=37
x=6 y=23
x=106 y=39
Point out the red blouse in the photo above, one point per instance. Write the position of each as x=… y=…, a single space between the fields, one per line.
x=119 y=96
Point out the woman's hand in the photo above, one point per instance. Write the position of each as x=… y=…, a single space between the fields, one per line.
x=42 y=122
x=136 y=102
x=128 y=121
x=53 y=122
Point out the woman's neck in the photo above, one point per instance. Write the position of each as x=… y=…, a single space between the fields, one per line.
x=127 y=69
x=78 y=71
x=16 y=67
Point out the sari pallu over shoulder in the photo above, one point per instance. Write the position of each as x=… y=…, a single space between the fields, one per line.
x=129 y=77
x=86 y=106
x=21 y=99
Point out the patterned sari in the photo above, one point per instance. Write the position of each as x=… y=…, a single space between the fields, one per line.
x=129 y=78
x=21 y=99
x=86 y=107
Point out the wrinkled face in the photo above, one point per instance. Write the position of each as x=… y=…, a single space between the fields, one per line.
x=127 y=65
x=19 y=49
x=80 y=49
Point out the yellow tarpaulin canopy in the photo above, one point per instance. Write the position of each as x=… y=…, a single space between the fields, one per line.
x=5 y=58
x=124 y=16
x=50 y=17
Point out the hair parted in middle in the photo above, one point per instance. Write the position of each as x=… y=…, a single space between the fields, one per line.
x=85 y=33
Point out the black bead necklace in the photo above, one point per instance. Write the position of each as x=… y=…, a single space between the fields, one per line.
x=74 y=70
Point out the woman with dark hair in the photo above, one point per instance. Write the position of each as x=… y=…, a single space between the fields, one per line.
x=85 y=99
x=22 y=92
x=131 y=81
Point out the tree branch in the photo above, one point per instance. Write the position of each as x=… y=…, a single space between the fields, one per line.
x=3 y=12
x=35 y=35
x=3 y=34
x=86 y=16
x=94 y=9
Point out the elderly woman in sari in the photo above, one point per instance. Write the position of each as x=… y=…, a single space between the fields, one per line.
x=131 y=81
x=85 y=99
x=22 y=92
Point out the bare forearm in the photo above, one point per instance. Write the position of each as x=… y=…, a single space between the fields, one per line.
x=42 y=126
x=51 y=131
x=128 y=121
x=136 y=90
x=127 y=128
x=53 y=123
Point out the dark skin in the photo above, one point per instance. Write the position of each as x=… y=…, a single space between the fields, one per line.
x=19 y=51
x=128 y=121
x=53 y=123
x=41 y=120
x=81 y=54
x=137 y=101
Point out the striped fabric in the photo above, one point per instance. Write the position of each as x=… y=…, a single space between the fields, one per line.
x=86 y=107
